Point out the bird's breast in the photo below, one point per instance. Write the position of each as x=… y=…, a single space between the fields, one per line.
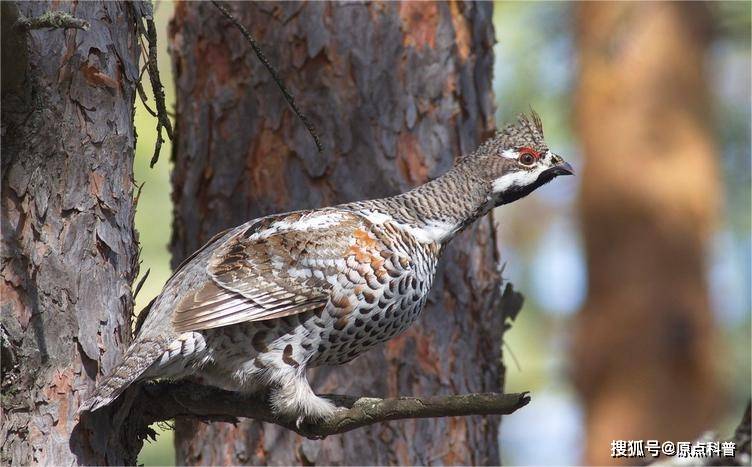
x=376 y=296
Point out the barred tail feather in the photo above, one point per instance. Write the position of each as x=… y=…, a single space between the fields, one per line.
x=138 y=358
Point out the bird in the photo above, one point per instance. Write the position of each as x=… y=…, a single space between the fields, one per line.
x=260 y=303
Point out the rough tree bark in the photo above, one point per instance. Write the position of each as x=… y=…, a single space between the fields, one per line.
x=396 y=91
x=68 y=245
x=650 y=191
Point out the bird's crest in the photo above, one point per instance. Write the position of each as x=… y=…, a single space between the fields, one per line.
x=527 y=131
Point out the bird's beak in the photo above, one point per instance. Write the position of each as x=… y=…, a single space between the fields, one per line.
x=560 y=167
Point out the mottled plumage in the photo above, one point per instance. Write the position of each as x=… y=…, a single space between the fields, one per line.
x=261 y=302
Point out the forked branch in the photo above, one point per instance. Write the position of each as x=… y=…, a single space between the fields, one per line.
x=165 y=401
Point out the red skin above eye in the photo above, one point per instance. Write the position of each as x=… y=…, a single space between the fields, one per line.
x=530 y=151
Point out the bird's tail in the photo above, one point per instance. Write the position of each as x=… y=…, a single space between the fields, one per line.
x=138 y=358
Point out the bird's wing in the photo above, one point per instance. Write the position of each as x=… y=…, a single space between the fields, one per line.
x=275 y=268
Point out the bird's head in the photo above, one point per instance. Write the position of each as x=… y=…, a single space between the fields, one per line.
x=517 y=160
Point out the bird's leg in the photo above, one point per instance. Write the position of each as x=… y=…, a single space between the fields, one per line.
x=294 y=399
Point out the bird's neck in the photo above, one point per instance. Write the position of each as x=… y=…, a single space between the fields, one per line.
x=439 y=209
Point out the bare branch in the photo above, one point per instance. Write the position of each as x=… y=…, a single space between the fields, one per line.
x=152 y=67
x=157 y=145
x=52 y=19
x=141 y=283
x=144 y=98
x=167 y=400
x=260 y=54
x=156 y=82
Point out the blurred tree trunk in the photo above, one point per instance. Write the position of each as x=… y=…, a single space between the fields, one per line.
x=396 y=91
x=650 y=194
x=68 y=247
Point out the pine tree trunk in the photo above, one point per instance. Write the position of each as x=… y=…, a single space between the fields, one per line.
x=650 y=191
x=396 y=91
x=68 y=246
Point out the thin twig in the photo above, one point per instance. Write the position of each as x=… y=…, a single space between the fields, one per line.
x=138 y=193
x=163 y=119
x=140 y=88
x=52 y=19
x=511 y=354
x=157 y=145
x=144 y=99
x=167 y=400
x=156 y=82
x=260 y=54
x=141 y=283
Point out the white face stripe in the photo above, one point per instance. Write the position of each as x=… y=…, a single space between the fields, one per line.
x=521 y=177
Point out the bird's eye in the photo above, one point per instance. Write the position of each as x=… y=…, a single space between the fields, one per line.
x=527 y=159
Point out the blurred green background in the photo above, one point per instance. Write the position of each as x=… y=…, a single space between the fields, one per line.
x=537 y=66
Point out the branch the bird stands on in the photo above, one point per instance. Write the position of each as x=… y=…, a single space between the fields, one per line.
x=166 y=401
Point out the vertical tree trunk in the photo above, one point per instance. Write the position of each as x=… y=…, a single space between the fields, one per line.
x=643 y=350
x=68 y=246
x=396 y=91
